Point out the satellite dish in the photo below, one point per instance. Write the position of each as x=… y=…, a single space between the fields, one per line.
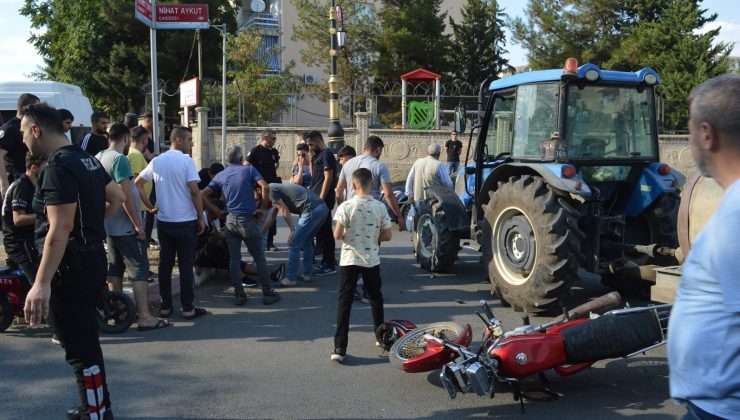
x=257 y=6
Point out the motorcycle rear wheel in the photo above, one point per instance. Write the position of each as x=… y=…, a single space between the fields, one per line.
x=115 y=312
x=413 y=343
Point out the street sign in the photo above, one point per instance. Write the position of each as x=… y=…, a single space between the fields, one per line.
x=189 y=93
x=174 y=16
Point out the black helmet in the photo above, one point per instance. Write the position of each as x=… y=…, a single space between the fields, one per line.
x=390 y=331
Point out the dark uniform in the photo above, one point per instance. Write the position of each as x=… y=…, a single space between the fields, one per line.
x=18 y=240
x=264 y=160
x=12 y=141
x=94 y=144
x=73 y=176
x=325 y=160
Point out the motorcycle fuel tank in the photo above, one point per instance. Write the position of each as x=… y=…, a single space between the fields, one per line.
x=526 y=355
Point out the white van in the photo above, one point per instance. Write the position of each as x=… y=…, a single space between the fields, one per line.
x=57 y=94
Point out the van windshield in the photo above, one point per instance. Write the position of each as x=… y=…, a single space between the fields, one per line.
x=610 y=122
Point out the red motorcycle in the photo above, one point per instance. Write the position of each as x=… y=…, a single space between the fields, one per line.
x=115 y=310
x=568 y=344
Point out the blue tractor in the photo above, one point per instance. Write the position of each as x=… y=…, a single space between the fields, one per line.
x=563 y=175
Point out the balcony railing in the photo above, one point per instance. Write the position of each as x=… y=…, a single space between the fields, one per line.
x=265 y=21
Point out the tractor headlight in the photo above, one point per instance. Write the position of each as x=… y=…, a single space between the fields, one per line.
x=592 y=75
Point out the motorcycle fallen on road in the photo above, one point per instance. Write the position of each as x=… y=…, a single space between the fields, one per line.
x=115 y=311
x=568 y=344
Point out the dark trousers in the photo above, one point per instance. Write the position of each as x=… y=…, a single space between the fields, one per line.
x=149 y=217
x=74 y=295
x=177 y=239
x=325 y=236
x=348 y=284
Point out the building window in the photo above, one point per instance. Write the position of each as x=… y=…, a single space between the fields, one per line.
x=270 y=51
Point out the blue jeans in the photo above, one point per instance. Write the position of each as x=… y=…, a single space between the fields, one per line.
x=177 y=239
x=305 y=230
x=452 y=167
x=244 y=229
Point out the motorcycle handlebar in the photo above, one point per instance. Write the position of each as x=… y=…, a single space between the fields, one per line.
x=609 y=300
x=487 y=309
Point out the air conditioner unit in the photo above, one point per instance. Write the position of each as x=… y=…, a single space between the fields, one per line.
x=309 y=79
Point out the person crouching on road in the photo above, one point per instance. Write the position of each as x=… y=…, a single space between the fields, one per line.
x=362 y=223
x=292 y=198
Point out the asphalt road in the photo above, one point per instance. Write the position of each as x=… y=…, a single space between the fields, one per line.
x=273 y=361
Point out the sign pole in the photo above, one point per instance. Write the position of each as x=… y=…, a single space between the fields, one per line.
x=223 y=100
x=155 y=101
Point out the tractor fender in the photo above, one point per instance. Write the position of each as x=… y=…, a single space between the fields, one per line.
x=456 y=215
x=549 y=171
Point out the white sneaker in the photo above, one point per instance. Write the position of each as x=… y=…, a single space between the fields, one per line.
x=338 y=355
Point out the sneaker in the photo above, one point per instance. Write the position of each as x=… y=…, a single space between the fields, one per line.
x=305 y=278
x=55 y=340
x=286 y=282
x=240 y=299
x=364 y=297
x=270 y=297
x=338 y=355
x=272 y=247
x=324 y=270
x=278 y=274
x=248 y=282
x=153 y=245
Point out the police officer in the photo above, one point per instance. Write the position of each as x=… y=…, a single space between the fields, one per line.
x=72 y=270
x=12 y=150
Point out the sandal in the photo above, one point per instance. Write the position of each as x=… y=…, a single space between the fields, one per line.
x=197 y=312
x=159 y=325
x=165 y=313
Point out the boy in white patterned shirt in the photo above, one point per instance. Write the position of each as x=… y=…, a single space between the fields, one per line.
x=362 y=223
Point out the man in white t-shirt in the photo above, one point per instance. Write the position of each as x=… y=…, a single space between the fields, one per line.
x=179 y=218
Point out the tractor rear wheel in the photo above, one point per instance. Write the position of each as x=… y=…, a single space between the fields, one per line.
x=534 y=243
x=436 y=246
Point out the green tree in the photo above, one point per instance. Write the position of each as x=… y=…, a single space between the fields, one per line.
x=354 y=62
x=479 y=40
x=412 y=36
x=101 y=47
x=558 y=29
x=682 y=56
x=262 y=96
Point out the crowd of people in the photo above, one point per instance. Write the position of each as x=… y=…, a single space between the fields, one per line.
x=75 y=217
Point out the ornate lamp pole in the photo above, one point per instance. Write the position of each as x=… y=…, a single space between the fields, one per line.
x=338 y=39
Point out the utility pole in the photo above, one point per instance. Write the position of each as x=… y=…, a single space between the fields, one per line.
x=155 y=99
x=200 y=66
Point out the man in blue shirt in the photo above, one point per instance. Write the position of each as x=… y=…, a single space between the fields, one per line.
x=237 y=184
x=704 y=328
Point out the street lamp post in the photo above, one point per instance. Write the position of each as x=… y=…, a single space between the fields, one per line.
x=335 y=133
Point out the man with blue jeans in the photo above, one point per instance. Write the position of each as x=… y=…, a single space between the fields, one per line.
x=179 y=219
x=704 y=328
x=295 y=199
x=236 y=182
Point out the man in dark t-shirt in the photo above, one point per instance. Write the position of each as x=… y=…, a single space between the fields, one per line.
x=12 y=150
x=70 y=205
x=266 y=159
x=96 y=140
x=324 y=183
x=453 y=148
x=19 y=218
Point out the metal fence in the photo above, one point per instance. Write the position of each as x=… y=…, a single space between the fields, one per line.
x=309 y=107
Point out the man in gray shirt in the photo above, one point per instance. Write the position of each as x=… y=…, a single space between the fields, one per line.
x=295 y=199
x=126 y=237
x=372 y=149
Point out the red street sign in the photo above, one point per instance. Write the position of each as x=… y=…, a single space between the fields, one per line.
x=174 y=16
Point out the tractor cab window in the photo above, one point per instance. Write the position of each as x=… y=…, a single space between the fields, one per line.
x=499 y=135
x=536 y=118
x=610 y=122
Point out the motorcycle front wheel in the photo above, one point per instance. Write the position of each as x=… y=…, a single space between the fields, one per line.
x=413 y=343
x=116 y=312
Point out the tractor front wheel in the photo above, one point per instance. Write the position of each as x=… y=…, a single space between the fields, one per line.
x=534 y=243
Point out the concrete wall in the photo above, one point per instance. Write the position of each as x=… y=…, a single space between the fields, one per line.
x=402 y=147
